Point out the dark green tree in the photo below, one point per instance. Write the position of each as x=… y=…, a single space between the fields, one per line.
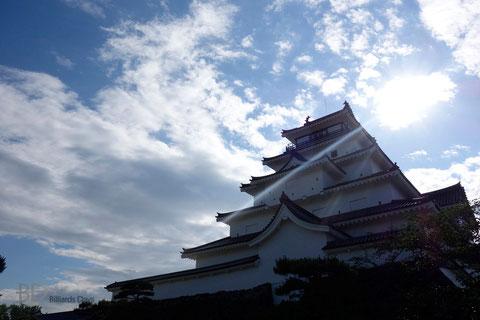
x=449 y=238
x=18 y=312
x=3 y=264
x=136 y=291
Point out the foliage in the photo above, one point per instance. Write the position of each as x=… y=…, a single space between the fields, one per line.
x=18 y=312
x=449 y=238
x=137 y=291
x=330 y=289
x=233 y=305
x=306 y=276
x=3 y=265
x=401 y=280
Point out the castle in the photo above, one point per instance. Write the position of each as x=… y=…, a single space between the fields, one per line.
x=334 y=192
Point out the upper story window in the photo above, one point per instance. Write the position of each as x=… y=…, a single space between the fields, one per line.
x=318 y=135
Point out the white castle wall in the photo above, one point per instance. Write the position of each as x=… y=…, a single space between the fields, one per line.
x=364 y=196
x=251 y=223
x=225 y=256
x=289 y=240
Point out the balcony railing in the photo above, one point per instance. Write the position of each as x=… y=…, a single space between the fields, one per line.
x=316 y=139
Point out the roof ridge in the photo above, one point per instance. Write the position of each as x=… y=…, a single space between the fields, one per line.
x=346 y=108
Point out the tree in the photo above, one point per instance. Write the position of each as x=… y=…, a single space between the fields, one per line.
x=449 y=238
x=401 y=280
x=136 y=291
x=3 y=265
x=306 y=275
x=18 y=312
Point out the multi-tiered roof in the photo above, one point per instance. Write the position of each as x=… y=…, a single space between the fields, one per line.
x=339 y=162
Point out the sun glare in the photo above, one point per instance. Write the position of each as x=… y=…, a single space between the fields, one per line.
x=405 y=100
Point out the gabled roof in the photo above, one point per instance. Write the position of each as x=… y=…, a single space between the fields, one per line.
x=299 y=211
x=197 y=271
x=371 y=211
x=221 y=215
x=448 y=196
x=293 y=155
x=450 y=193
x=324 y=159
x=224 y=242
x=346 y=109
x=320 y=142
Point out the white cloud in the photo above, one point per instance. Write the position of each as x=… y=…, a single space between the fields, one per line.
x=332 y=32
x=277 y=67
x=334 y=86
x=394 y=21
x=283 y=47
x=403 y=101
x=250 y=94
x=247 y=42
x=319 y=47
x=359 y=16
x=368 y=73
x=370 y=60
x=454 y=150
x=63 y=61
x=313 y=78
x=304 y=59
x=343 y=5
x=461 y=147
x=449 y=153
x=416 y=154
x=277 y=5
x=456 y=22
x=468 y=172
x=96 y=182
x=360 y=44
x=90 y=7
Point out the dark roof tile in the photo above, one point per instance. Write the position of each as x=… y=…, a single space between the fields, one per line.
x=360 y=240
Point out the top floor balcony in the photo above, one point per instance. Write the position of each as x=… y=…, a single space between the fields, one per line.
x=318 y=136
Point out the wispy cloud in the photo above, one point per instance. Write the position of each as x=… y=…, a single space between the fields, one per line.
x=454 y=151
x=63 y=61
x=96 y=182
x=468 y=172
x=416 y=154
x=91 y=7
x=284 y=47
x=458 y=24
x=247 y=42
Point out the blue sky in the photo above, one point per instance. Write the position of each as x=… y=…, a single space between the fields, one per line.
x=125 y=126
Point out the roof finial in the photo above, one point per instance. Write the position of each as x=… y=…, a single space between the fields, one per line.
x=307 y=119
x=345 y=104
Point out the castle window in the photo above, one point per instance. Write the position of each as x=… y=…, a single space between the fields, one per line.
x=333 y=154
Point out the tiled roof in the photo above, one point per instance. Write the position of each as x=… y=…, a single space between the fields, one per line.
x=215 y=267
x=448 y=196
x=225 y=214
x=363 y=178
x=309 y=144
x=221 y=243
x=359 y=240
x=243 y=185
x=322 y=119
x=298 y=211
x=370 y=211
x=296 y=155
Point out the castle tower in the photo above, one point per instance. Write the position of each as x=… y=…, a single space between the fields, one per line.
x=333 y=192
